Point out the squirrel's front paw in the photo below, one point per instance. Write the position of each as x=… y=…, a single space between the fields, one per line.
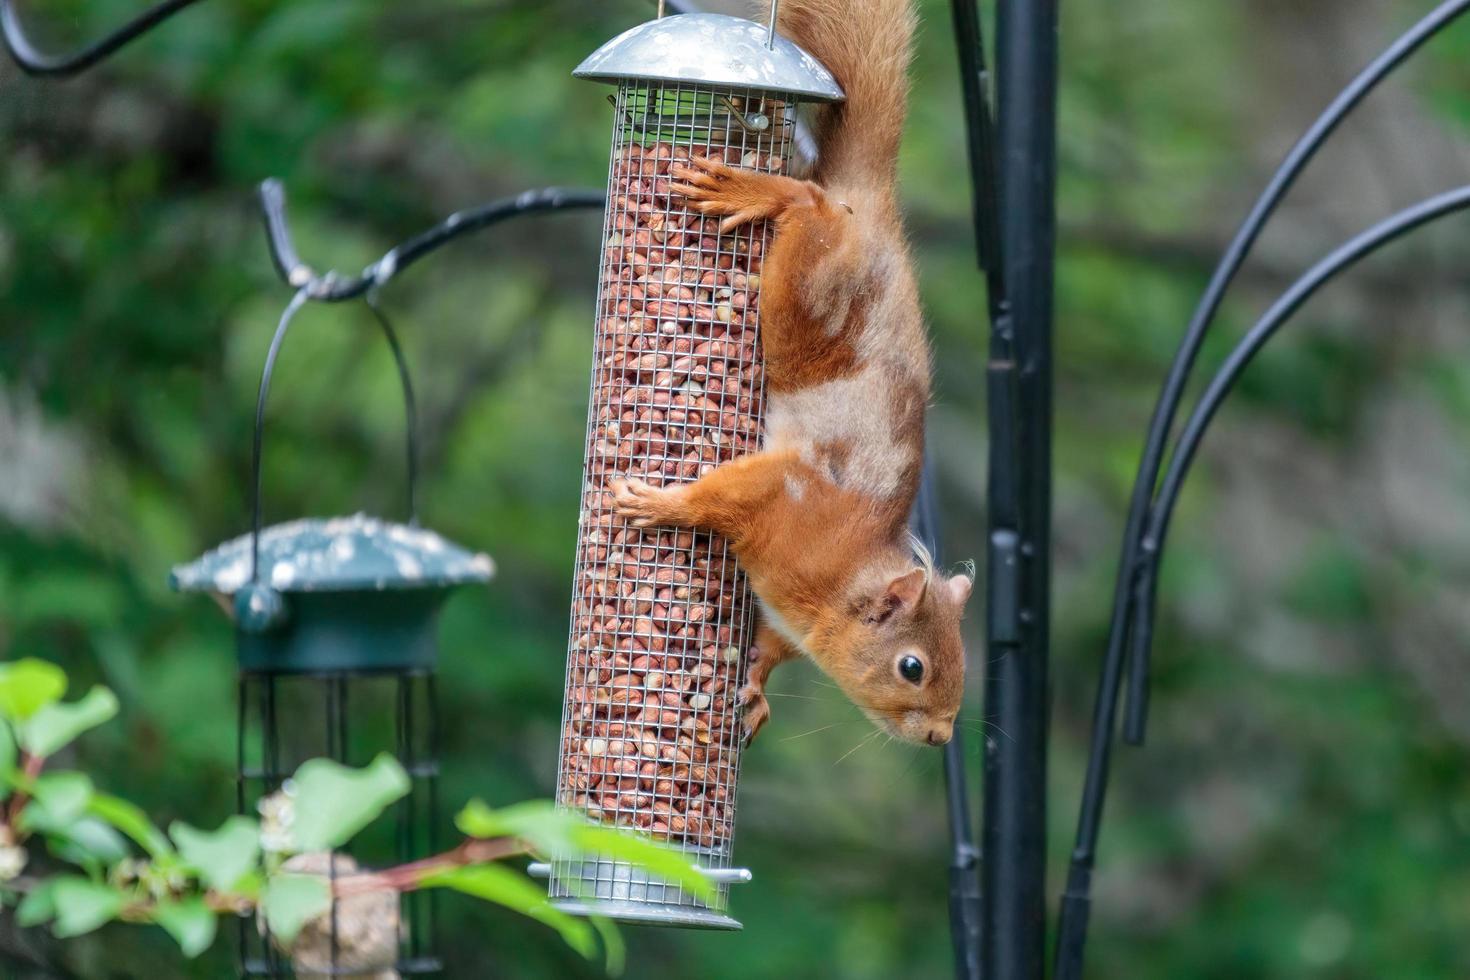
x=756 y=710
x=641 y=503
x=715 y=188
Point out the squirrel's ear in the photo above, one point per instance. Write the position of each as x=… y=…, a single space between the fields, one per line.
x=959 y=588
x=906 y=590
x=900 y=594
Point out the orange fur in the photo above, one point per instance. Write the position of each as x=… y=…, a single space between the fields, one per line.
x=818 y=518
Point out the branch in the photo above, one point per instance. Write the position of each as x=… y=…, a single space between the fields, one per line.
x=410 y=877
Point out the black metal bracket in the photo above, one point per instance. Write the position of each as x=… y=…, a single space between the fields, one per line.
x=1152 y=505
x=334 y=287
x=33 y=61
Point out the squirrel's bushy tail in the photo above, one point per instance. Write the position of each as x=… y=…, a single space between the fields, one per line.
x=867 y=44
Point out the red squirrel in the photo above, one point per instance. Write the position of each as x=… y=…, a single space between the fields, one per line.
x=818 y=518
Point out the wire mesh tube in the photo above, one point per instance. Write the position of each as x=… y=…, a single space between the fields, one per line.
x=661 y=617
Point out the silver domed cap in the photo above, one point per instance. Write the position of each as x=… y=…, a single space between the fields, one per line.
x=711 y=49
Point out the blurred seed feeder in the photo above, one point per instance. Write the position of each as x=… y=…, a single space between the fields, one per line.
x=651 y=732
x=343 y=594
x=335 y=624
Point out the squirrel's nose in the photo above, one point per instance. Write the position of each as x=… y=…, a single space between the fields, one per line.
x=938 y=736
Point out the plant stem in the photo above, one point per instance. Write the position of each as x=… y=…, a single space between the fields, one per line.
x=31 y=770
x=409 y=877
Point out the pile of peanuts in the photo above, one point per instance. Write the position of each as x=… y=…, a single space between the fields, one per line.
x=661 y=616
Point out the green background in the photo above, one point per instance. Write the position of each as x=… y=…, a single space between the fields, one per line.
x=1302 y=809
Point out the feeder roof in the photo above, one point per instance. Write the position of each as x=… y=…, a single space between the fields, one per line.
x=337 y=554
x=711 y=49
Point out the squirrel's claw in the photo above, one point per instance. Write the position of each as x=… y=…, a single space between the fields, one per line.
x=690 y=191
x=702 y=170
x=717 y=189
x=755 y=711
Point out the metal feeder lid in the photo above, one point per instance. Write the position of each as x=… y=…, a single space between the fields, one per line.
x=711 y=49
x=337 y=554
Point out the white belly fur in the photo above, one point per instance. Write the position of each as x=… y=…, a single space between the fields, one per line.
x=774 y=620
x=856 y=411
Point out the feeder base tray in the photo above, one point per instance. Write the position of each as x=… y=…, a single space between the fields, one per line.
x=620 y=892
x=637 y=913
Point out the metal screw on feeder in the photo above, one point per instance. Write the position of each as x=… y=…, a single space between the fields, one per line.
x=332 y=612
x=661 y=619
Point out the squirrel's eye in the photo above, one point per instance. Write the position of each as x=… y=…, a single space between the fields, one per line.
x=912 y=669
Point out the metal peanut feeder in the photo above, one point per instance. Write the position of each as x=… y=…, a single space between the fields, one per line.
x=662 y=618
x=335 y=636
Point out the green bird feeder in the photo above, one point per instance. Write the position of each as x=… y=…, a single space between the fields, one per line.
x=335 y=638
x=354 y=594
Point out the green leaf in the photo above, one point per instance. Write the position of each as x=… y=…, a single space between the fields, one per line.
x=612 y=942
x=477 y=819
x=291 y=901
x=499 y=884
x=58 y=810
x=88 y=843
x=190 y=922
x=560 y=832
x=7 y=759
x=221 y=857
x=27 y=686
x=38 y=906
x=250 y=885
x=333 y=802
x=83 y=905
x=55 y=725
x=58 y=800
x=665 y=862
x=131 y=820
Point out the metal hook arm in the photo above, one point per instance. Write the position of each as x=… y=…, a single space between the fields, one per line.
x=410 y=404
x=335 y=287
x=1142 y=585
x=292 y=308
x=1167 y=408
x=1132 y=589
x=330 y=287
x=1223 y=382
x=34 y=62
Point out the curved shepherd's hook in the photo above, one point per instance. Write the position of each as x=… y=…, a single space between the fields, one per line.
x=1132 y=588
x=332 y=287
x=1225 y=378
x=336 y=288
x=1167 y=408
x=34 y=62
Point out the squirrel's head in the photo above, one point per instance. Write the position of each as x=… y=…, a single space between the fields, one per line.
x=902 y=659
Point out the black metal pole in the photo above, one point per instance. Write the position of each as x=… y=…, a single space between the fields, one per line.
x=1013 y=860
x=965 y=899
x=964 y=883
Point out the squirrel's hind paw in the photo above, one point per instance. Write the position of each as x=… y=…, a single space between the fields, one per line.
x=755 y=711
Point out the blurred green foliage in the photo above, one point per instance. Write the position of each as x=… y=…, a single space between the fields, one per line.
x=1302 y=809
